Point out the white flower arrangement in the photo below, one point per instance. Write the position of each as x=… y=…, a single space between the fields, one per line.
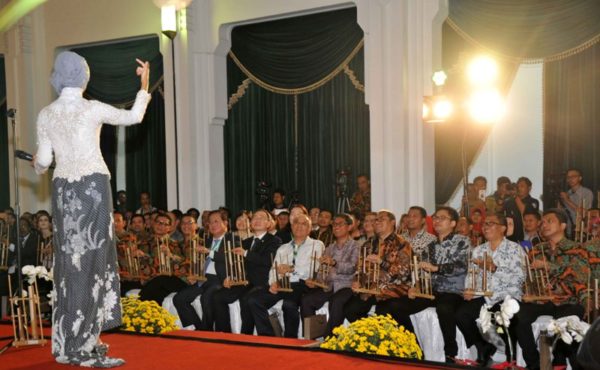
x=34 y=272
x=501 y=318
x=568 y=328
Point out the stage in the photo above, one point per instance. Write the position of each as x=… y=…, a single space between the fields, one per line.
x=190 y=350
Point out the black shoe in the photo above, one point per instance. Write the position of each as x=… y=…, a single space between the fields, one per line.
x=485 y=354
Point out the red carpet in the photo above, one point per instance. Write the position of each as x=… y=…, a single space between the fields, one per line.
x=193 y=350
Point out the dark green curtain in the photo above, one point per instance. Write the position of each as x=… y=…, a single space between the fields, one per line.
x=4 y=168
x=296 y=52
x=531 y=29
x=113 y=81
x=262 y=139
x=460 y=130
x=571 y=117
x=146 y=160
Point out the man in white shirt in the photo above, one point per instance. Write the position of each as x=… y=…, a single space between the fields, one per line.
x=294 y=261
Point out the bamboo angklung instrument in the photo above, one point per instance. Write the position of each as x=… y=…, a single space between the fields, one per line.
x=318 y=271
x=368 y=273
x=164 y=262
x=45 y=254
x=537 y=283
x=27 y=320
x=283 y=281
x=421 y=280
x=4 y=244
x=132 y=263
x=478 y=276
x=234 y=265
x=197 y=260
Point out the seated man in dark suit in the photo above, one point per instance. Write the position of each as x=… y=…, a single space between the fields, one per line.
x=257 y=252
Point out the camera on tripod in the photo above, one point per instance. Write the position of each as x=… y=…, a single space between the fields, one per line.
x=263 y=190
x=341 y=190
x=341 y=182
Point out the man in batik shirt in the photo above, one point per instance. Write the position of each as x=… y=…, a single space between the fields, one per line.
x=392 y=253
x=416 y=233
x=567 y=266
x=505 y=275
x=360 y=203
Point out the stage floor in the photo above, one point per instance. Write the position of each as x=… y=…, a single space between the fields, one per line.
x=192 y=350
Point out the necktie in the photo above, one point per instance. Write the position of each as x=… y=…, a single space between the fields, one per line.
x=254 y=243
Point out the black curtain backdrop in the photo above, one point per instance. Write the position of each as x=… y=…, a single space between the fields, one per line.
x=450 y=135
x=571 y=122
x=113 y=81
x=4 y=168
x=301 y=119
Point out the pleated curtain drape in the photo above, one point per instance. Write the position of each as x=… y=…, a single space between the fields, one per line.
x=297 y=112
x=113 y=81
x=565 y=36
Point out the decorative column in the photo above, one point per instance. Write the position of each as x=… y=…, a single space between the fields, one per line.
x=399 y=60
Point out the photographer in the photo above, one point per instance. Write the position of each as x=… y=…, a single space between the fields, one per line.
x=361 y=199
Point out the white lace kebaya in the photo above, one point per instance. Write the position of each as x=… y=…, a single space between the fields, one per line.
x=70 y=127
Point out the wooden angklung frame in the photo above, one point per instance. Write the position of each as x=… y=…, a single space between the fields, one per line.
x=283 y=280
x=367 y=273
x=45 y=254
x=162 y=257
x=235 y=269
x=537 y=284
x=318 y=271
x=4 y=243
x=26 y=316
x=131 y=261
x=478 y=277
x=420 y=280
x=197 y=260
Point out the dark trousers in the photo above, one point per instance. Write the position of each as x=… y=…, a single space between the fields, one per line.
x=357 y=307
x=466 y=315
x=223 y=297
x=312 y=301
x=183 y=303
x=445 y=305
x=401 y=308
x=262 y=300
x=527 y=314
x=160 y=287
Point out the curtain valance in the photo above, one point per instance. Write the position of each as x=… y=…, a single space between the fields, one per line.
x=528 y=31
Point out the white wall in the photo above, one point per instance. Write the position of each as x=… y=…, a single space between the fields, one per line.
x=29 y=48
x=514 y=147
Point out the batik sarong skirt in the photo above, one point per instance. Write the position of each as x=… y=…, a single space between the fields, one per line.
x=86 y=280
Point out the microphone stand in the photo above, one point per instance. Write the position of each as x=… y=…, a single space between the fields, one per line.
x=11 y=113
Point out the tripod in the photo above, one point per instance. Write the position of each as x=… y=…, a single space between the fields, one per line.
x=343 y=203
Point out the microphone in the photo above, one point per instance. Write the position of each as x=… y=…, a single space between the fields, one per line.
x=23 y=155
x=26 y=156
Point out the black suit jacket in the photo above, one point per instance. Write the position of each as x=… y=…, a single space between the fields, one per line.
x=28 y=250
x=258 y=258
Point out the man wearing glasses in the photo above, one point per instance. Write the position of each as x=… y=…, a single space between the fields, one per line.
x=341 y=256
x=392 y=253
x=447 y=261
x=505 y=276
